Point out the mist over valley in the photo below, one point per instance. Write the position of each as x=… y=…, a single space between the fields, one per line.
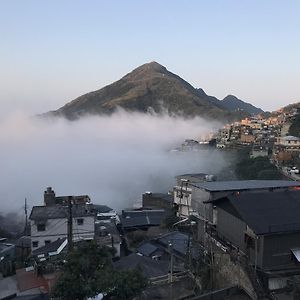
x=112 y=158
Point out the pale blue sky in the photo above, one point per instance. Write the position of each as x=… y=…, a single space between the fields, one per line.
x=53 y=51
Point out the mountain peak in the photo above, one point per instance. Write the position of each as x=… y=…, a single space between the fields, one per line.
x=146 y=70
x=149 y=87
x=153 y=66
x=233 y=103
x=232 y=97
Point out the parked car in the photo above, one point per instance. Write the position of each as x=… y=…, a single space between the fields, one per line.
x=294 y=170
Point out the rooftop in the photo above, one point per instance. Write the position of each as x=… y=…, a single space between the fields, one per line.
x=146 y=249
x=290 y=138
x=102 y=208
x=149 y=267
x=196 y=177
x=267 y=212
x=138 y=218
x=51 y=248
x=178 y=240
x=240 y=185
x=164 y=196
x=59 y=211
x=5 y=247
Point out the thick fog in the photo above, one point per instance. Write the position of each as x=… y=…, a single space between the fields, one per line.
x=113 y=159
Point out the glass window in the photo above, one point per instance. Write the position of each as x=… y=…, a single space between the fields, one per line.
x=80 y=221
x=41 y=227
x=35 y=244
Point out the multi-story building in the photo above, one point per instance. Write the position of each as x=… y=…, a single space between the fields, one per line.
x=265 y=227
x=50 y=222
x=290 y=143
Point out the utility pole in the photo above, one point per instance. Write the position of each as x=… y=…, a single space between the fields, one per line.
x=26 y=218
x=171 y=262
x=70 y=224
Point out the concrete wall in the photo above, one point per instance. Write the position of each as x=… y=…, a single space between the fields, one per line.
x=231 y=228
x=198 y=197
x=228 y=273
x=57 y=228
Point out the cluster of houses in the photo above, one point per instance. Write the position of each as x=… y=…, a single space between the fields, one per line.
x=254 y=224
x=259 y=219
x=267 y=136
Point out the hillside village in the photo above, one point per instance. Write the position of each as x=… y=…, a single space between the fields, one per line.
x=204 y=239
x=266 y=136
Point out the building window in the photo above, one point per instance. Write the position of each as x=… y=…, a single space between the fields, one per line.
x=79 y=221
x=35 y=244
x=47 y=242
x=41 y=227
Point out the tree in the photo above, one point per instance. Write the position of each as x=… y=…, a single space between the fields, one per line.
x=88 y=271
x=256 y=168
x=128 y=284
x=295 y=127
x=78 y=279
x=269 y=174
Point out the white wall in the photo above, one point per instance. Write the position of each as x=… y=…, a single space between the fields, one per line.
x=57 y=228
x=184 y=203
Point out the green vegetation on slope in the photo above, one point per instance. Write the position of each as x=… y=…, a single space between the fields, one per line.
x=258 y=168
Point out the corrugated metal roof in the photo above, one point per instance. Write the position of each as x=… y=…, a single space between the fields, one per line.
x=238 y=185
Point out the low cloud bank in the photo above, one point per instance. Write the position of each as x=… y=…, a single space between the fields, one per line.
x=113 y=159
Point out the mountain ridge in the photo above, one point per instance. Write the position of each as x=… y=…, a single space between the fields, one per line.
x=149 y=87
x=233 y=103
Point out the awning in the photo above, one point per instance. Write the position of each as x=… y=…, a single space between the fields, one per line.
x=296 y=253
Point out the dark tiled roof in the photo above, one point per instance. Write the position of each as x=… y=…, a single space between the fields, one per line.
x=146 y=249
x=177 y=239
x=239 y=185
x=196 y=177
x=142 y=218
x=166 y=197
x=268 y=212
x=149 y=267
x=51 y=247
x=59 y=211
x=101 y=208
x=179 y=243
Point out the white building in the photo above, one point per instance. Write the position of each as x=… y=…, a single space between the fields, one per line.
x=49 y=223
x=184 y=191
x=290 y=142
